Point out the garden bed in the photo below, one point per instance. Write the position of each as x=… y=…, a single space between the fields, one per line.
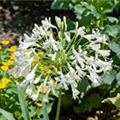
x=19 y=18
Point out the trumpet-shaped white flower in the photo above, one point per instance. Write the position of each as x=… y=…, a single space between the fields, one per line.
x=51 y=43
x=104 y=53
x=75 y=92
x=95 y=47
x=37 y=79
x=93 y=76
x=29 y=78
x=22 y=64
x=52 y=56
x=78 y=58
x=67 y=37
x=28 y=42
x=69 y=79
x=47 y=23
x=104 y=65
x=29 y=89
x=80 y=71
x=35 y=95
x=62 y=81
x=81 y=31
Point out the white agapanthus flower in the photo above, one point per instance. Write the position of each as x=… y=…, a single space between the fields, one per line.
x=67 y=37
x=22 y=63
x=55 y=58
x=51 y=42
x=47 y=23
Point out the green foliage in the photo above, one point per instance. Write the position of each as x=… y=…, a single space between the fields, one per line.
x=118 y=119
x=84 y=85
x=60 y=4
x=91 y=13
x=115 y=100
x=67 y=100
x=112 y=30
x=45 y=114
x=6 y=114
x=115 y=47
x=89 y=103
x=109 y=77
x=118 y=78
x=9 y=93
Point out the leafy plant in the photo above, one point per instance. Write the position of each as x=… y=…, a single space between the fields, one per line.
x=59 y=61
x=91 y=13
x=88 y=104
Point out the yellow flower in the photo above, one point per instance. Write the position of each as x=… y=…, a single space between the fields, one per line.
x=12 y=49
x=5 y=42
x=17 y=113
x=35 y=60
x=48 y=72
x=9 y=62
x=52 y=66
x=40 y=53
x=4 y=67
x=40 y=66
x=0 y=47
x=2 y=86
x=12 y=56
x=5 y=80
x=53 y=81
x=42 y=90
x=39 y=104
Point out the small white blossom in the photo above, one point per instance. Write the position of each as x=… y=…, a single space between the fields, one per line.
x=29 y=89
x=94 y=77
x=29 y=78
x=81 y=31
x=22 y=64
x=35 y=95
x=67 y=37
x=58 y=21
x=51 y=43
x=47 y=23
x=78 y=58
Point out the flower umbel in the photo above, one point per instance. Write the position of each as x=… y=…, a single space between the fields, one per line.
x=65 y=56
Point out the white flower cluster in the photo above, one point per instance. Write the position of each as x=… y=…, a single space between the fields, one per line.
x=64 y=58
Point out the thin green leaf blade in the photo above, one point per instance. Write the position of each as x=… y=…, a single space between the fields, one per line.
x=6 y=114
x=45 y=114
x=23 y=104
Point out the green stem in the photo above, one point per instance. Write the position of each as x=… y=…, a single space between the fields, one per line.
x=102 y=20
x=59 y=105
x=0 y=98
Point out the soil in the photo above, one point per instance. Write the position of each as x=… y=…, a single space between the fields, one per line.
x=105 y=112
x=19 y=18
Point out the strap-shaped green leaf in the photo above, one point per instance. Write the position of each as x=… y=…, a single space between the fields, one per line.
x=23 y=104
x=6 y=114
x=45 y=114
